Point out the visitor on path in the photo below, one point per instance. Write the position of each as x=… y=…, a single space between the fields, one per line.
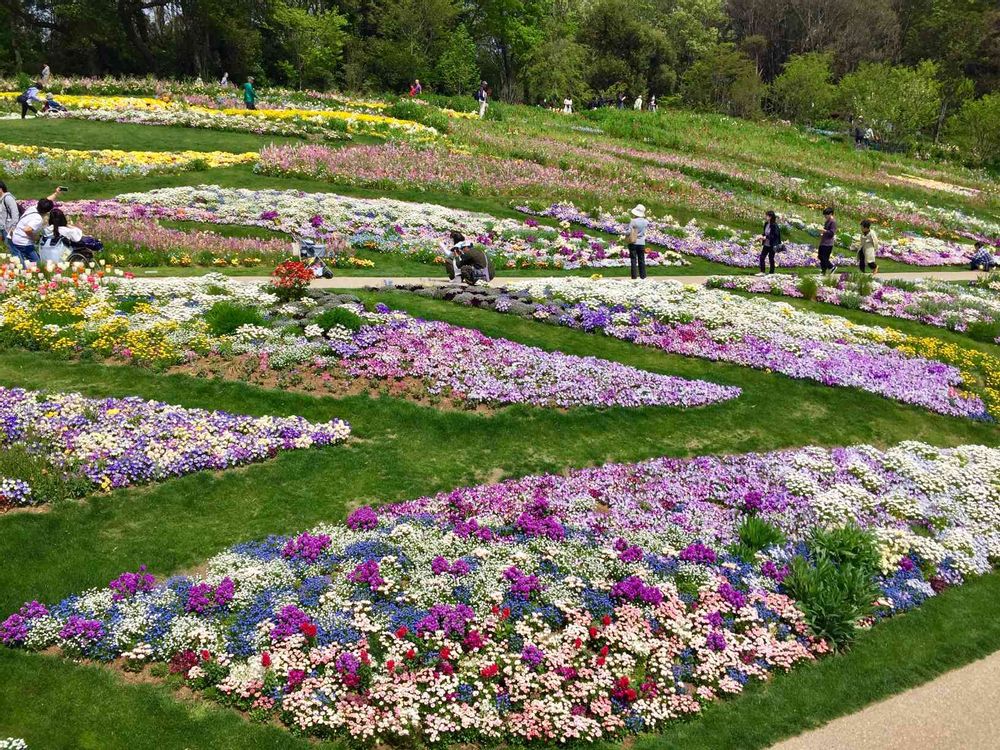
x=826 y=240
x=621 y=101
x=982 y=259
x=637 y=242
x=415 y=88
x=249 y=95
x=482 y=96
x=868 y=246
x=28 y=231
x=869 y=137
x=465 y=262
x=46 y=75
x=25 y=100
x=652 y=103
x=567 y=106
x=9 y=211
x=637 y=105
x=859 y=136
x=224 y=81
x=771 y=240
x=58 y=238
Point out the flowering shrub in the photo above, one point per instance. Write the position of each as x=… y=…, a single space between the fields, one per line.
x=382 y=225
x=118 y=442
x=194 y=322
x=441 y=619
x=48 y=161
x=690 y=320
x=290 y=279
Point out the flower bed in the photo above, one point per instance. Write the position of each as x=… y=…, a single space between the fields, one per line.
x=693 y=321
x=118 y=442
x=736 y=249
x=963 y=308
x=547 y=609
x=216 y=326
x=103 y=164
x=382 y=225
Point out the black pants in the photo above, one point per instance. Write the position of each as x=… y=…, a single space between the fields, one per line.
x=824 y=258
x=251 y=105
x=25 y=106
x=637 y=258
x=767 y=253
x=861 y=262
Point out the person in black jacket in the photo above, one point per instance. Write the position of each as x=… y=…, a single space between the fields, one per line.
x=771 y=240
x=467 y=263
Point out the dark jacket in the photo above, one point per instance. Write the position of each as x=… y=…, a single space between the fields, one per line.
x=772 y=234
x=829 y=233
x=471 y=256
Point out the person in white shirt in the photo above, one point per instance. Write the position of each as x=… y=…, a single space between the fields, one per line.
x=25 y=100
x=28 y=230
x=46 y=75
x=638 y=103
x=567 y=106
x=652 y=103
x=637 y=242
x=225 y=79
x=57 y=238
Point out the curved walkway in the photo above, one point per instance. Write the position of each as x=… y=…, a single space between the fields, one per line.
x=960 y=710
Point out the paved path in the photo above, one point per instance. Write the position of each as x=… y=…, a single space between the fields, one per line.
x=357 y=282
x=960 y=710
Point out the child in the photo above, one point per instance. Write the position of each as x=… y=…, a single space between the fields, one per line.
x=867 y=248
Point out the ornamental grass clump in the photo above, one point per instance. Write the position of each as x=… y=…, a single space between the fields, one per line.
x=225 y=317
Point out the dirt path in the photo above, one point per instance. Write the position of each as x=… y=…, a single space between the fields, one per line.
x=960 y=710
x=357 y=282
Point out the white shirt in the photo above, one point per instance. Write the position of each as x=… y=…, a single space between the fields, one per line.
x=68 y=233
x=30 y=220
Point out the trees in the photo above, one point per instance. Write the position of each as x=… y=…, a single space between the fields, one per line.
x=457 y=71
x=726 y=80
x=900 y=103
x=804 y=91
x=311 y=44
x=976 y=129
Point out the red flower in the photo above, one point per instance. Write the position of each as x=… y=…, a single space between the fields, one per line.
x=445 y=652
x=593 y=632
x=390 y=666
x=489 y=671
x=364 y=657
x=206 y=655
x=578 y=643
x=604 y=650
x=411 y=654
x=308 y=629
x=600 y=661
x=496 y=609
x=401 y=632
x=606 y=620
x=265 y=659
x=506 y=613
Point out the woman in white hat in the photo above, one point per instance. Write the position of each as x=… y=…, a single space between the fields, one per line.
x=637 y=242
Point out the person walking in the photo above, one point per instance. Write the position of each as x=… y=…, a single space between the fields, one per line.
x=25 y=100
x=27 y=231
x=46 y=75
x=637 y=242
x=637 y=105
x=482 y=96
x=771 y=240
x=826 y=240
x=9 y=211
x=415 y=88
x=567 y=106
x=249 y=95
x=868 y=247
x=652 y=103
x=224 y=81
x=621 y=101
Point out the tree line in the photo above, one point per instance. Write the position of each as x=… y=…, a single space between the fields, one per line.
x=808 y=60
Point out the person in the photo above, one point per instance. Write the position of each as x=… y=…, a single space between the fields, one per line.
x=467 y=263
x=867 y=248
x=482 y=96
x=869 y=137
x=982 y=259
x=859 y=135
x=28 y=230
x=567 y=106
x=51 y=105
x=25 y=100
x=57 y=237
x=652 y=103
x=637 y=242
x=771 y=240
x=9 y=211
x=249 y=95
x=637 y=105
x=224 y=81
x=46 y=75
x=415 y=88
x=621 y=101
x=826 y=240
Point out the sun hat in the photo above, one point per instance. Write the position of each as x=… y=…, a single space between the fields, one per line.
x=640 y=211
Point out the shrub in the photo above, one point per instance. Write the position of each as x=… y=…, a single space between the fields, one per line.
x=975 y=129
x=803 y=92
x=224 y=317
x=339 y=316
x=425 y=114
x=835 y=586
x=756 y=534
x=808 y=287
x=983 y=331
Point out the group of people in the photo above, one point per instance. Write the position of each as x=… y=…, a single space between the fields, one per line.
x=37 y=233
x=867 y=246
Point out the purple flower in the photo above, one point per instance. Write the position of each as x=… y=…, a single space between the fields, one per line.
x=81 y=630
x=362 y=519
x=733 y=596
x=698 y=553
x=716 y=641
x=452 y=619
x=532 y=655
x=129 y=584
x=367 y=572
x=634 y=590
x=306 y=547
x=521 y=585
x=290 y=622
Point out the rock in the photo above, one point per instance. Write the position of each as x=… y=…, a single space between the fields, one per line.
x=520 y=308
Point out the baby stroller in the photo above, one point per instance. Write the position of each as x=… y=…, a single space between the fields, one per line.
x=312 y=254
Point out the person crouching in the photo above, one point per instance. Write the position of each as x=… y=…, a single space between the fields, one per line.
x=465 y=262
